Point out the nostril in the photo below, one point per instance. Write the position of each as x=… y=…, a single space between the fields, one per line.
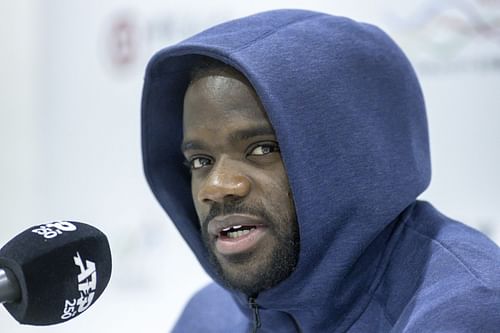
x=231 y=197
x=226 y=198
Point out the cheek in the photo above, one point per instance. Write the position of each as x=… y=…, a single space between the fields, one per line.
x=197 y=205
x=281 y=181
x=279 y=198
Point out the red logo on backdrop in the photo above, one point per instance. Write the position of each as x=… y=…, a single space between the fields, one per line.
x=122 y=41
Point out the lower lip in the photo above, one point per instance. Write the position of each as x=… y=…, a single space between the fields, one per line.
x=229 y=246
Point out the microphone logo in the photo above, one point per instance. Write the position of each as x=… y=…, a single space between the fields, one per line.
x=51 y=230
x=87 y=284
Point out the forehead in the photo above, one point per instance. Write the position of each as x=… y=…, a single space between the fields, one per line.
x=221 y=102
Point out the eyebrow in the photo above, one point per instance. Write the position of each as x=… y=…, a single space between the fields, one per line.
x=238 y=135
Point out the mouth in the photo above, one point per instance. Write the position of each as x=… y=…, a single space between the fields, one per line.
x=236 y=233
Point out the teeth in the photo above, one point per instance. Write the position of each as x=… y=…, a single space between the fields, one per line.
x=233 y=227
x=236 y=234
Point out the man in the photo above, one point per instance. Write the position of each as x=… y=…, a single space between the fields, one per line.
x=305 y=140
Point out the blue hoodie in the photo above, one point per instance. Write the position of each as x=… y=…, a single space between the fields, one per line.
x=350 y=119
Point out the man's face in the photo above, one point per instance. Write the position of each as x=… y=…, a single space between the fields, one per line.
x=239 y=185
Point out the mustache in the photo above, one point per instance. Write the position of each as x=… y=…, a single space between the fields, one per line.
x=229 y=208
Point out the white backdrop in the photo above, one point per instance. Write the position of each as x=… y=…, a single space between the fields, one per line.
x=70 y=135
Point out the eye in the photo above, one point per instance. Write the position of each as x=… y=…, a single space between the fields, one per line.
x=264 y=149
x=198 y=162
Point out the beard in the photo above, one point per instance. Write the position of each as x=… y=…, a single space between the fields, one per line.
x=249 y=272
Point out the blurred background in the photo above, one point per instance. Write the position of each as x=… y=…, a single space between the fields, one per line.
x=70 y=88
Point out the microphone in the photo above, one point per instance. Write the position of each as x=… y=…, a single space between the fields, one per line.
x=53 y=272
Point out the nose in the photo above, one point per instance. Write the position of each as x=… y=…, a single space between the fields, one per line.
x=225 y=182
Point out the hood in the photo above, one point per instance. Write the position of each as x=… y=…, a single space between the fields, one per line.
x=349 y=116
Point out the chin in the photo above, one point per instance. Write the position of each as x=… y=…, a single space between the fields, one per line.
x=248 y=273
x=260 y=269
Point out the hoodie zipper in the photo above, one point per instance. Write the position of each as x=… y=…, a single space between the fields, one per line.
x=255 y=310
x=252 y=303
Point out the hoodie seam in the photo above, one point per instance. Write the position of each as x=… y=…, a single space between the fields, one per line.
x=372 y=292
x=271 y=32
x=160 y=75
x=374 y=296
x=453 y=254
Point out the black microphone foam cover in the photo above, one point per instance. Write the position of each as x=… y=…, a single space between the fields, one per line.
x=61 y=268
